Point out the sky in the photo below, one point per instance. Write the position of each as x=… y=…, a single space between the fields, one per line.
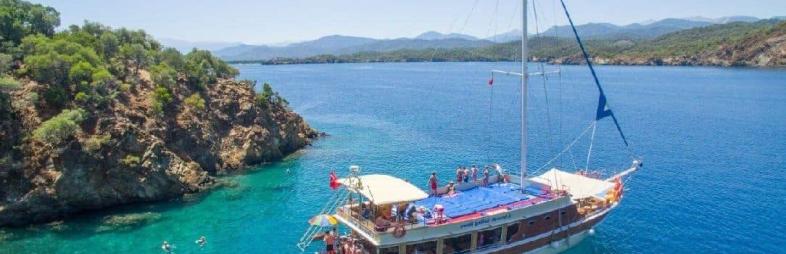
x=283 y=21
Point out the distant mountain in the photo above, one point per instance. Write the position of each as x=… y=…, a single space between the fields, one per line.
x=761 y=43
x=643 y=30
x=512 y=35
x=432 y=35
x=724 y=20
x=339 y=44
x=186 y=46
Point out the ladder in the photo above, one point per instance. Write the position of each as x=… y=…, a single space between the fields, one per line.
x=337 y=199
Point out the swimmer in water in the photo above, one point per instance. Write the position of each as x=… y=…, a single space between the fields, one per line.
x=202 y=241
x=166 y=247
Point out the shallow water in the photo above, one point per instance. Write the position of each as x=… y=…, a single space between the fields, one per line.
x=713 y=140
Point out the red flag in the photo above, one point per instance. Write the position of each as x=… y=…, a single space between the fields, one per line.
x=334 y=180
x=491 y=81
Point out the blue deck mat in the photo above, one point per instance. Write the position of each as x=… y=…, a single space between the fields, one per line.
x=476 y=199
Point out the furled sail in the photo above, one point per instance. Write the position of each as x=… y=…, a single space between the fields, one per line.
x=603 y=108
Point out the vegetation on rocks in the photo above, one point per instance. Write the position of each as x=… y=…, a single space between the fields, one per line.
x=93 y=116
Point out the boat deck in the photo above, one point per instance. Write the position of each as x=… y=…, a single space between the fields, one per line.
x=478 y=201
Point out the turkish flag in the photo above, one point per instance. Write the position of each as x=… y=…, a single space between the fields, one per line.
x=334 y=184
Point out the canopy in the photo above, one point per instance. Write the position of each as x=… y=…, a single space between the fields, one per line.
x=577 y=185
x=383 y=189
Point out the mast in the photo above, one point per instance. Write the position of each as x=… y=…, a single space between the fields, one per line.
x=524 y=54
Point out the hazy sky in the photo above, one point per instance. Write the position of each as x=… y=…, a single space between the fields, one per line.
x=276 y=21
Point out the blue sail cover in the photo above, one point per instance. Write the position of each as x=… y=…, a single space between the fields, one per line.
x=603 y=109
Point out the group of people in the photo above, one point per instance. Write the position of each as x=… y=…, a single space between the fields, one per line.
x=348 y=244
x=465 y=174
x=168 y=248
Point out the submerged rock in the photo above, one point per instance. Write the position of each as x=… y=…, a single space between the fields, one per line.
x=127 y=221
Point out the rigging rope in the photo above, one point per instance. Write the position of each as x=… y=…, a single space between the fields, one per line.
x=564 y=150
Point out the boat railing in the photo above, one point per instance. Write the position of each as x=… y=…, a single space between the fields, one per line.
x=368 y=226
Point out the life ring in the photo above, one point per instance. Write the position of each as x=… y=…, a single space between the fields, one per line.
x=399 y=231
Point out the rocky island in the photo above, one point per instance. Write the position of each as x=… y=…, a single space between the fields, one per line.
x=93 y=117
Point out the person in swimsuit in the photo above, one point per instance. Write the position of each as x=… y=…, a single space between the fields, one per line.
x=166 y=247
x=485 y=176
x=459 y=174
x=202 y=241
x=432 y=181
x=330 y=240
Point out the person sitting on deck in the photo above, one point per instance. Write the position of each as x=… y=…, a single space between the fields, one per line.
x=451 y=189
x=432 y=181
x=365 y=211
x=381 y=224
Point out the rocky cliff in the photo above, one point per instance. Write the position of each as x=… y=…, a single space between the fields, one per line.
x=123 y=153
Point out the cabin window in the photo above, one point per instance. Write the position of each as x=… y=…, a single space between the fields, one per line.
x=512 y=234
x=489 y=238
x=547 y=218
x=459 y=244
x=532 y=222
x=389 y=250
x=423 y=248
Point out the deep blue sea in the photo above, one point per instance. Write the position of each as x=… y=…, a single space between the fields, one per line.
x=713 y=141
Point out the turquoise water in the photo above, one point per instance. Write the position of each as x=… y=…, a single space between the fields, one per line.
x=713 y=140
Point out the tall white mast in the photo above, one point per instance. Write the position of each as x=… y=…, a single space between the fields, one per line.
x=523 y=93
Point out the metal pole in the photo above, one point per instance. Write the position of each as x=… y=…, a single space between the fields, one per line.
x=524 y=57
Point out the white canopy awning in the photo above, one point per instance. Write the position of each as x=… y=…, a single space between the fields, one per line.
x=383 y=189
x=577 y=185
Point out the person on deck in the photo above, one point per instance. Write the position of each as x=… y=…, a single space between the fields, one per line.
x=432 y=181
x=451 y=190
x=466 y=174
x=474 y=174
x=459 y=174
x=330 y=240
x=485 y=176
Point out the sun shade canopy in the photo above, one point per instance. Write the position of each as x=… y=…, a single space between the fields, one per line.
x=577 y=185
x=383 y=189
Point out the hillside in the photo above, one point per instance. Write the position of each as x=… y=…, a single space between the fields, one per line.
x=94 y=117
x=734 y=44
x=339 y=45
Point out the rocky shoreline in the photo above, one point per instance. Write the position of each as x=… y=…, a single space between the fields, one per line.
x=123 y=154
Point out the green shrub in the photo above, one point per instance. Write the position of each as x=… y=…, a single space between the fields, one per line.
x=9 y=83
x=81 y=72
x=95 y=142
x=59 y=128
x=124 y=87
x=131 y=160
x=55 y=96
x=82 y=97
x=195 y=101
x=160 y=98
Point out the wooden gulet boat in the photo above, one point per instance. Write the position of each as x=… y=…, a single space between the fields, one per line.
x=504 y=213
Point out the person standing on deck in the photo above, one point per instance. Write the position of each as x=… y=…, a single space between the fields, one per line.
x=474 y=174
x=330 y=240
x=485 y=176
x=432 y=181
x=459 y=173
x=466 y=175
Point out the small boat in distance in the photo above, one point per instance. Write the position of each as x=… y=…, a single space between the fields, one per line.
x=498 y=212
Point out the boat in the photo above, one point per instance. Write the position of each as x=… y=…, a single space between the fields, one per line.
x=499 y=212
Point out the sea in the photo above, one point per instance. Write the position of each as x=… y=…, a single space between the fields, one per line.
x=713 y=141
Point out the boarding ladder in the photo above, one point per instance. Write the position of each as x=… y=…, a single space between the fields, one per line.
x=338 y=198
